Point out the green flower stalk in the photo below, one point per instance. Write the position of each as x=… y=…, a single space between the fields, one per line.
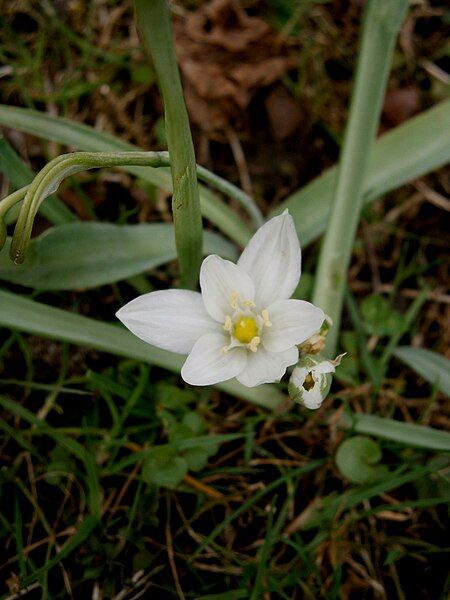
x=50 y=177
x=382 y=20
x=153 y=20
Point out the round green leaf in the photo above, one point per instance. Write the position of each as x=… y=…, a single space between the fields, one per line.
x=357 y=459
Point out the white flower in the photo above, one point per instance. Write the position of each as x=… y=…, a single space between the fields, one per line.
x=311 y=379
x=242 y=324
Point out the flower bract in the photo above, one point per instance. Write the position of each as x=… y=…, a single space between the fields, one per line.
x=243 y=324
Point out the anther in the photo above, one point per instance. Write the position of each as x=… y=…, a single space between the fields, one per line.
x=234 y=300
x=224 y=349
x=228 y=325
x=265 y=316
x=253 y=345
x=249 y=303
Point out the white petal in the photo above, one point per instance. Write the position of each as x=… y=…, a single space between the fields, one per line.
x=329 y=366
x=170 y=319
x=293 y=322
x=298 y=376
x=312 y=398
x=219 y=280
x=265 y=367
x=207 y=364
x=272 y=258
x=323 y=367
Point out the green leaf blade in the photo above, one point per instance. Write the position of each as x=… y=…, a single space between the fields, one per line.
x=23 y=314
x=88 y=254
x=409 y=434
x=433 y=367
x=427 y=140
x=82 y=137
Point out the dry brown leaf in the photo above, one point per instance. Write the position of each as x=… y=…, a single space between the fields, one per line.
x=224 y=23
x=225 y=56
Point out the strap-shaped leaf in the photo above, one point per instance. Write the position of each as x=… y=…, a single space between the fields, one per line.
x=83 y=137
x=433 y=367
x=410 y=434
x=419 y=146
x=23 y=314
x=86 y=255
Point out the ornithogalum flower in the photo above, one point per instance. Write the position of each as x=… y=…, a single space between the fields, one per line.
x=242 y=324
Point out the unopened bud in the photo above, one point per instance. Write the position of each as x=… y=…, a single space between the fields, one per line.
x=316 y=343
x=2 y=233
x=311 y=379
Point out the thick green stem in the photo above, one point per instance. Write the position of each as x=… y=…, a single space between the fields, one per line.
x=20 y=175
x=382 y=20
x=153 y=20
x=48 y=180
x=83 y=137
x=61 y=167
x=5 y=205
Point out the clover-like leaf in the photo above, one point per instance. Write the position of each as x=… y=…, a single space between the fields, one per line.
x=379 y=317
x=194 y=421
x=196 y=458
x=163 y=466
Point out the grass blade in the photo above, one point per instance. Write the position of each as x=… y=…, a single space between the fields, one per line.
x=23 y=314
x=333 y=505
x=82 y=533
x=290 y=475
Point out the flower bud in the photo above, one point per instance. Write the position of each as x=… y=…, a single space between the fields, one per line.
x=2 y=233
x=316 y=343
x=311 y=379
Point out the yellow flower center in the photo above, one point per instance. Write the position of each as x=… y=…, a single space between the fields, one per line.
x=245 y=329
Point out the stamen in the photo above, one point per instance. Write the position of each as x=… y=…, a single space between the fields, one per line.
x=309 y=382
x=253 y=346
x=265 y=316
x=234 y=299
x=224 y=349
x=249 y=303
x=228 y=325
